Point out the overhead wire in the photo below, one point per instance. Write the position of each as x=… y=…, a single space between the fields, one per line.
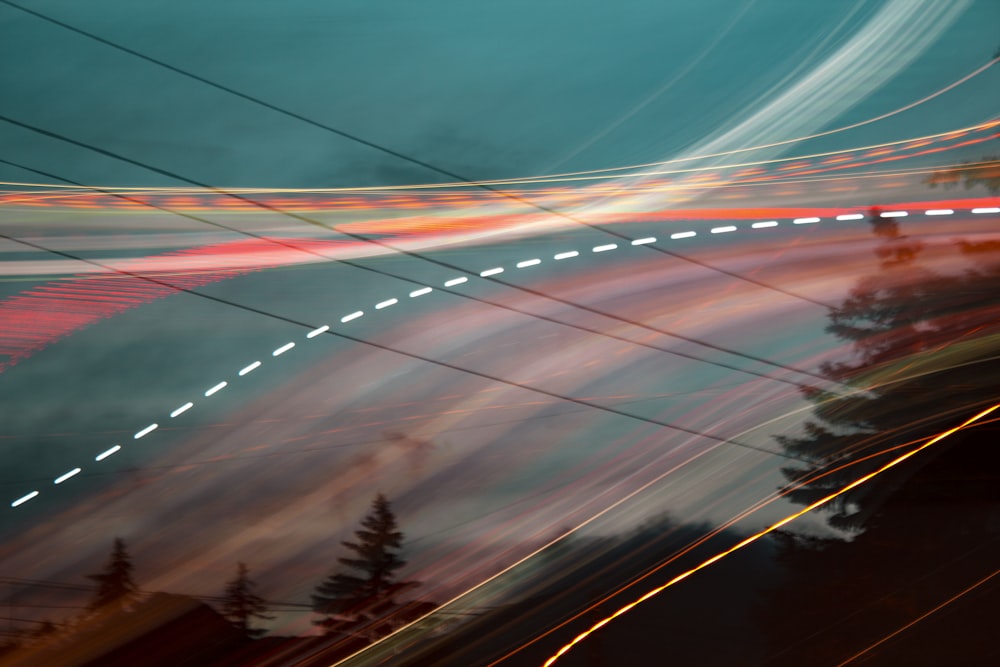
x=380 y=148
x=412 y=355
x=424 y=258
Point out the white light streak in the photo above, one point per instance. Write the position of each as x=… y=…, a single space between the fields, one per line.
x=939 y=211
x=893 y=214
x=644 y=241
x=217 y=388
x=23 y=499
x=606 y=247
x=315 y=332
x=456 y=281
x=683 y=235
x=72 y=473
x=851 y=216
x=108 y=452
x=528 y=262
x=420 y=292
x=181 y=410
x=988 y=209
x=249 y=369
x=281 y=350
x=566 y=255
x=353 y=316
x=149 y=429
x=385 y=304
x=805 y=221
x=766 y=223
x=724 y=230
x=491 y=272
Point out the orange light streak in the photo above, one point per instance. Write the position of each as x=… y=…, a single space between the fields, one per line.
x=920 y=618
x=756 y=536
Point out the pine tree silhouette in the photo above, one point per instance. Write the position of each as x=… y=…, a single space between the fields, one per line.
x=241 y=605
x=370 y=591
x=925 y=355
x=115 y=586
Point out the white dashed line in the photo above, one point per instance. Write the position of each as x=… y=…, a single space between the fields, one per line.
x=315 y=332
x=72 y=473
x=249 y=369
x=281 y=350
x=23 y=499
x=181 y=410
x=488 y=272
x=217 y=388
x=108 y=452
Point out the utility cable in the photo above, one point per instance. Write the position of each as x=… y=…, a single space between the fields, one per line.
x=411 y=355
x=533 y=292
x=396 y=154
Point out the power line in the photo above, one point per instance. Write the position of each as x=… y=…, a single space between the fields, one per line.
x=394 y=153
x=533 y=292
x=322 y=448
x=413 y=355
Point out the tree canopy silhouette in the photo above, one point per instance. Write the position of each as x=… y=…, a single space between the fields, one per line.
x=115 y=586
x=925 y=349
x=370 y=590
x=985 y=172
x=241 y=605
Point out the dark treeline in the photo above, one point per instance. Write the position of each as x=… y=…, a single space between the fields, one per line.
x=915 y=545
x=122 y=625
x=925 y=355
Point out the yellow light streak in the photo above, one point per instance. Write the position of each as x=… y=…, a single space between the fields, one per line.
x=920 y=618
x=729 y=523
x=756 y=536
x=592 y=175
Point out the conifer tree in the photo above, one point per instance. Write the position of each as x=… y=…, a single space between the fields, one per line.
x=115 y=586
x=241 y=605
x=376 y=559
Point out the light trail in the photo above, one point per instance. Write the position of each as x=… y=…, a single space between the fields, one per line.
x=357 y=314
x=719 y=529
x=754 y=507
x=756 y=536
x=923 y=616
x=532 y=179
x=842 y=158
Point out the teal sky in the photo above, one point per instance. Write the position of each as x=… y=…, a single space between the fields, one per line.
x=485 y=89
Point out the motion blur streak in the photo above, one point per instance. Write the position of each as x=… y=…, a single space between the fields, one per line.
x=756 y=536
x=182 y=191
x=920 y=618
x=187 y=197
x=718 y=530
